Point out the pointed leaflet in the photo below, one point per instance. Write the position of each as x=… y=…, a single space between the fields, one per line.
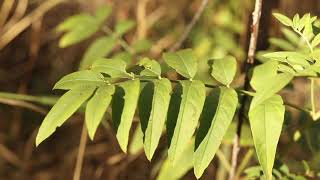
x=267 y=82
x=224 y=69
x=101 y=47
x=123 y=26
x=283 y=19
x=266 y=121
x=113 y=67
x=183 y=61
x=62 y=110
x=124 y=104
x=153 y=107
x=182 y=123
x=80 y=78
x=217 y=115
x=151 y=67
x=96 y=108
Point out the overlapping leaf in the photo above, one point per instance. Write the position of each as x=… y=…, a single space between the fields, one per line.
x=151 y=67
x=224 y=69
x=113 y=67
x=62 y=110
x=153 y=107
x=101 y=47
x=217 y=115
x=124 y=104
x=80 y=78
x=96 y=108
x=185 y=107
x=183 y=61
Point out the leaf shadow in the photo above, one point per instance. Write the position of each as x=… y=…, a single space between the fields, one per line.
x=207 y=115
x=145 y=105
x=173 y=111
x=117 y=107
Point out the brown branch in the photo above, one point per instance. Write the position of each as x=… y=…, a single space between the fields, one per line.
x=80 y=156
x=23 y=104
x=250 y=61
x=190 y=26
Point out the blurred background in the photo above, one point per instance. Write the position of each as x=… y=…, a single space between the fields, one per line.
x=31 y=61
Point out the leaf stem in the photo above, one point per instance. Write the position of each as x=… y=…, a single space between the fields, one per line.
x=312 y=97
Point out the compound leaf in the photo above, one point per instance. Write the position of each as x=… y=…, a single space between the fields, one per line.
x=151 y=67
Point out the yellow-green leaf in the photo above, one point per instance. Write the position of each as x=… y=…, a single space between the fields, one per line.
x=184 y=111
x=62 y=110
x=96 y=108
x=224 y=69
x=80 y=78
x=183 y=61
x=124 y=104
x=153 y=107
x=283 y=19
x=113 y=67
x=216 y=117
x=266 y=121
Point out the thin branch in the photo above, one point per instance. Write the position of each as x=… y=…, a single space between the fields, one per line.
x=81 y=151
x=23 y=104
x=250 y=61
x=25 y=22
x=190 y=26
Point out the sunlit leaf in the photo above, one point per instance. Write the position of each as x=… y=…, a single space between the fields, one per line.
x=224 y=69
x=124 y=104
x=96 y=108
x=101 y=47
x=123 y=26
x=80 y=78
x=62 y=110
x=283 y=19
x=151 y=67
x=216 y=117
x=266 y=121
x=183 y=61
x=153 y=107
x=184 y=111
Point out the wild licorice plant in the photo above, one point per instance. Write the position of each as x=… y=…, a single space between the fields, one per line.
x=188 y=110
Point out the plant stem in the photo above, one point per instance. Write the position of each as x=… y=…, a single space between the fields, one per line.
x=250 y=61
x=81 y=151
x=312 y=97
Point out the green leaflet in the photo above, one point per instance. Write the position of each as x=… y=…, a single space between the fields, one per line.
x=153 y=107
x=62 y=110
x=101 y=47
x=80 y=78
x=266 y=121
x=96 y=108
x=82 y=26
x=113 y=67
x=183 y=61
x=185 y=107
x=142 y=45
x=123 y=26
x=217 y=115
x=283 y=19
x=267 y=82
x=291 y=57
x=151 y=67
x=178 y=171
x=316 y=41
x=124 y=104
x=224 y=69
